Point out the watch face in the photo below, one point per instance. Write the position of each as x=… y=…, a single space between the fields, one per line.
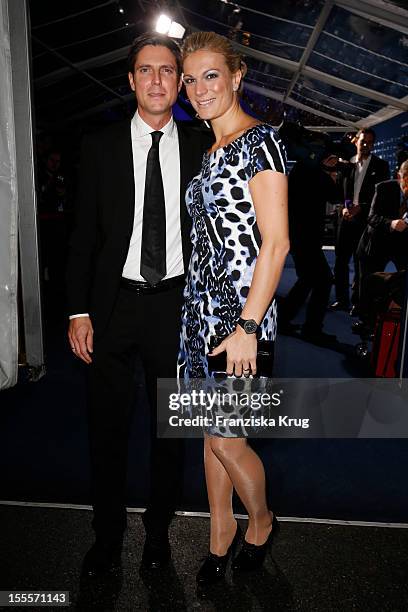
x=250 y=326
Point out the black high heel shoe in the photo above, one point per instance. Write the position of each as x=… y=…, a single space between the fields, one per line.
x=251 y=556
x=214 y=566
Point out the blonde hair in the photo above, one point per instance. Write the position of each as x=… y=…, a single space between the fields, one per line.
x=210 y=41
x=403 y=170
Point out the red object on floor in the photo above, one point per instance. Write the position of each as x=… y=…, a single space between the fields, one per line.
x=386 y=341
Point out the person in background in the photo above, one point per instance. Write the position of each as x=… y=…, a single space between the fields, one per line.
x=311 y=186
x=366 y=170
x=386 y=237
x=52 y=210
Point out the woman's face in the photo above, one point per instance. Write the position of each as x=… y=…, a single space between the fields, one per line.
x=209 y=83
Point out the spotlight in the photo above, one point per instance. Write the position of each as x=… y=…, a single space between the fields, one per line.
x=165 y=25
x=176 y=30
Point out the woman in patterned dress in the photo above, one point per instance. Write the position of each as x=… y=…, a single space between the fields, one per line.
x=238 y=205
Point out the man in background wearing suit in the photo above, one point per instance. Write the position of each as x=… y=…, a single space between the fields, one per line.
x=385 y=238
x=128 y=256
x=366 y=170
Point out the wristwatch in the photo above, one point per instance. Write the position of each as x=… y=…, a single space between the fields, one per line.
x=248 y=325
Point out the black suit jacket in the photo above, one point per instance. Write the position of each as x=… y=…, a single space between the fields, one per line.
x=377 y=171
x=378 y=240
x=104 y=218
x=310 y=187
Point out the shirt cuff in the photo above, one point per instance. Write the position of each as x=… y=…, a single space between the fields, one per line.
x=76 y=316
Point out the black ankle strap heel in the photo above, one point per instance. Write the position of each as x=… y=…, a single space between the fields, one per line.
x=251 y=556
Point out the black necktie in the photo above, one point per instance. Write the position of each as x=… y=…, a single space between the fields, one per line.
x=153 y=255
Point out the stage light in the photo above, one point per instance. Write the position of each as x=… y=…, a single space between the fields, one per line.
x=165 y=25
x=176 y=30
x=121 y=9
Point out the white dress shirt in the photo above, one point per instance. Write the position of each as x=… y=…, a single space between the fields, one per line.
x=359 y=174
x=170 y=167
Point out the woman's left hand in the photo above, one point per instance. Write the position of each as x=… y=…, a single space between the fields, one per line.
x=241 y=353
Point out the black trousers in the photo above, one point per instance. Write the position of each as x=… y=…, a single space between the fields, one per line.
x=348 y=237
x=147 y=326
x=314 y=279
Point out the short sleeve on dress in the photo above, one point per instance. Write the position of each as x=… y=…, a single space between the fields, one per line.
x=265 y=151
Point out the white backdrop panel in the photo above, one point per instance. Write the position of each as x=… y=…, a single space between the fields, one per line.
x=8 y=215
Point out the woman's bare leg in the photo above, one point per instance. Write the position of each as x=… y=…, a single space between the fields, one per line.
x=247 y=475
x=219 y=489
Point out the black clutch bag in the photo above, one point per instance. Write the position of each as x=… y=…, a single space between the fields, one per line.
x=264 y=358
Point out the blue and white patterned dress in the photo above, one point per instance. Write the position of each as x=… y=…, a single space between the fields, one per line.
x=226 y=242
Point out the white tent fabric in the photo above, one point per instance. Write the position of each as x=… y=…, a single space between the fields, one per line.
x=8 y=215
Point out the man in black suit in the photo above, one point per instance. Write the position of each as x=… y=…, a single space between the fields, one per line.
x=128 y=256
x=386 y=235
x=366 y=170
x=311 y=186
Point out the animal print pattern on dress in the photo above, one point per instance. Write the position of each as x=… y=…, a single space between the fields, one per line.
x=226 y=243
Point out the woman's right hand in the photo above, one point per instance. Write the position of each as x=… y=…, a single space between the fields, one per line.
x=241 y=351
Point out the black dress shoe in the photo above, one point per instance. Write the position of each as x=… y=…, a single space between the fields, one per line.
x=354 y=311
x=214 y=566
x=156 y=551
x=362 y=329
x=102 y=559
x=339 y=306
x=251 y=556
x=358 y=327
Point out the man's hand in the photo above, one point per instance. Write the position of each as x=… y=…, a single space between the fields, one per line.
x=354 y=210
x=393 y=306
x=329 y=164
x=80 y=336
x=349 y=213
x=398 y=225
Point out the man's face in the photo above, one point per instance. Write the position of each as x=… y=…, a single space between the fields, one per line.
x=364 y=144
x=403 y=181
x=155 y=81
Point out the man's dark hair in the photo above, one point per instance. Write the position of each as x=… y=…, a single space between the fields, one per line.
x=154 y=39
x=367 y=131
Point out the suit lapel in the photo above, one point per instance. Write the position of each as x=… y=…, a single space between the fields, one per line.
x=186 y=164
x=367 y=177
x=373 y=174
x=124 y=179
x=188 y=160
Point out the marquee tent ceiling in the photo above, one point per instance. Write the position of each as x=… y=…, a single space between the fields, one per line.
x=331 y=63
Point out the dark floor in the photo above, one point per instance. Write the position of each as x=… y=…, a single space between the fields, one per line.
x=314 y=567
